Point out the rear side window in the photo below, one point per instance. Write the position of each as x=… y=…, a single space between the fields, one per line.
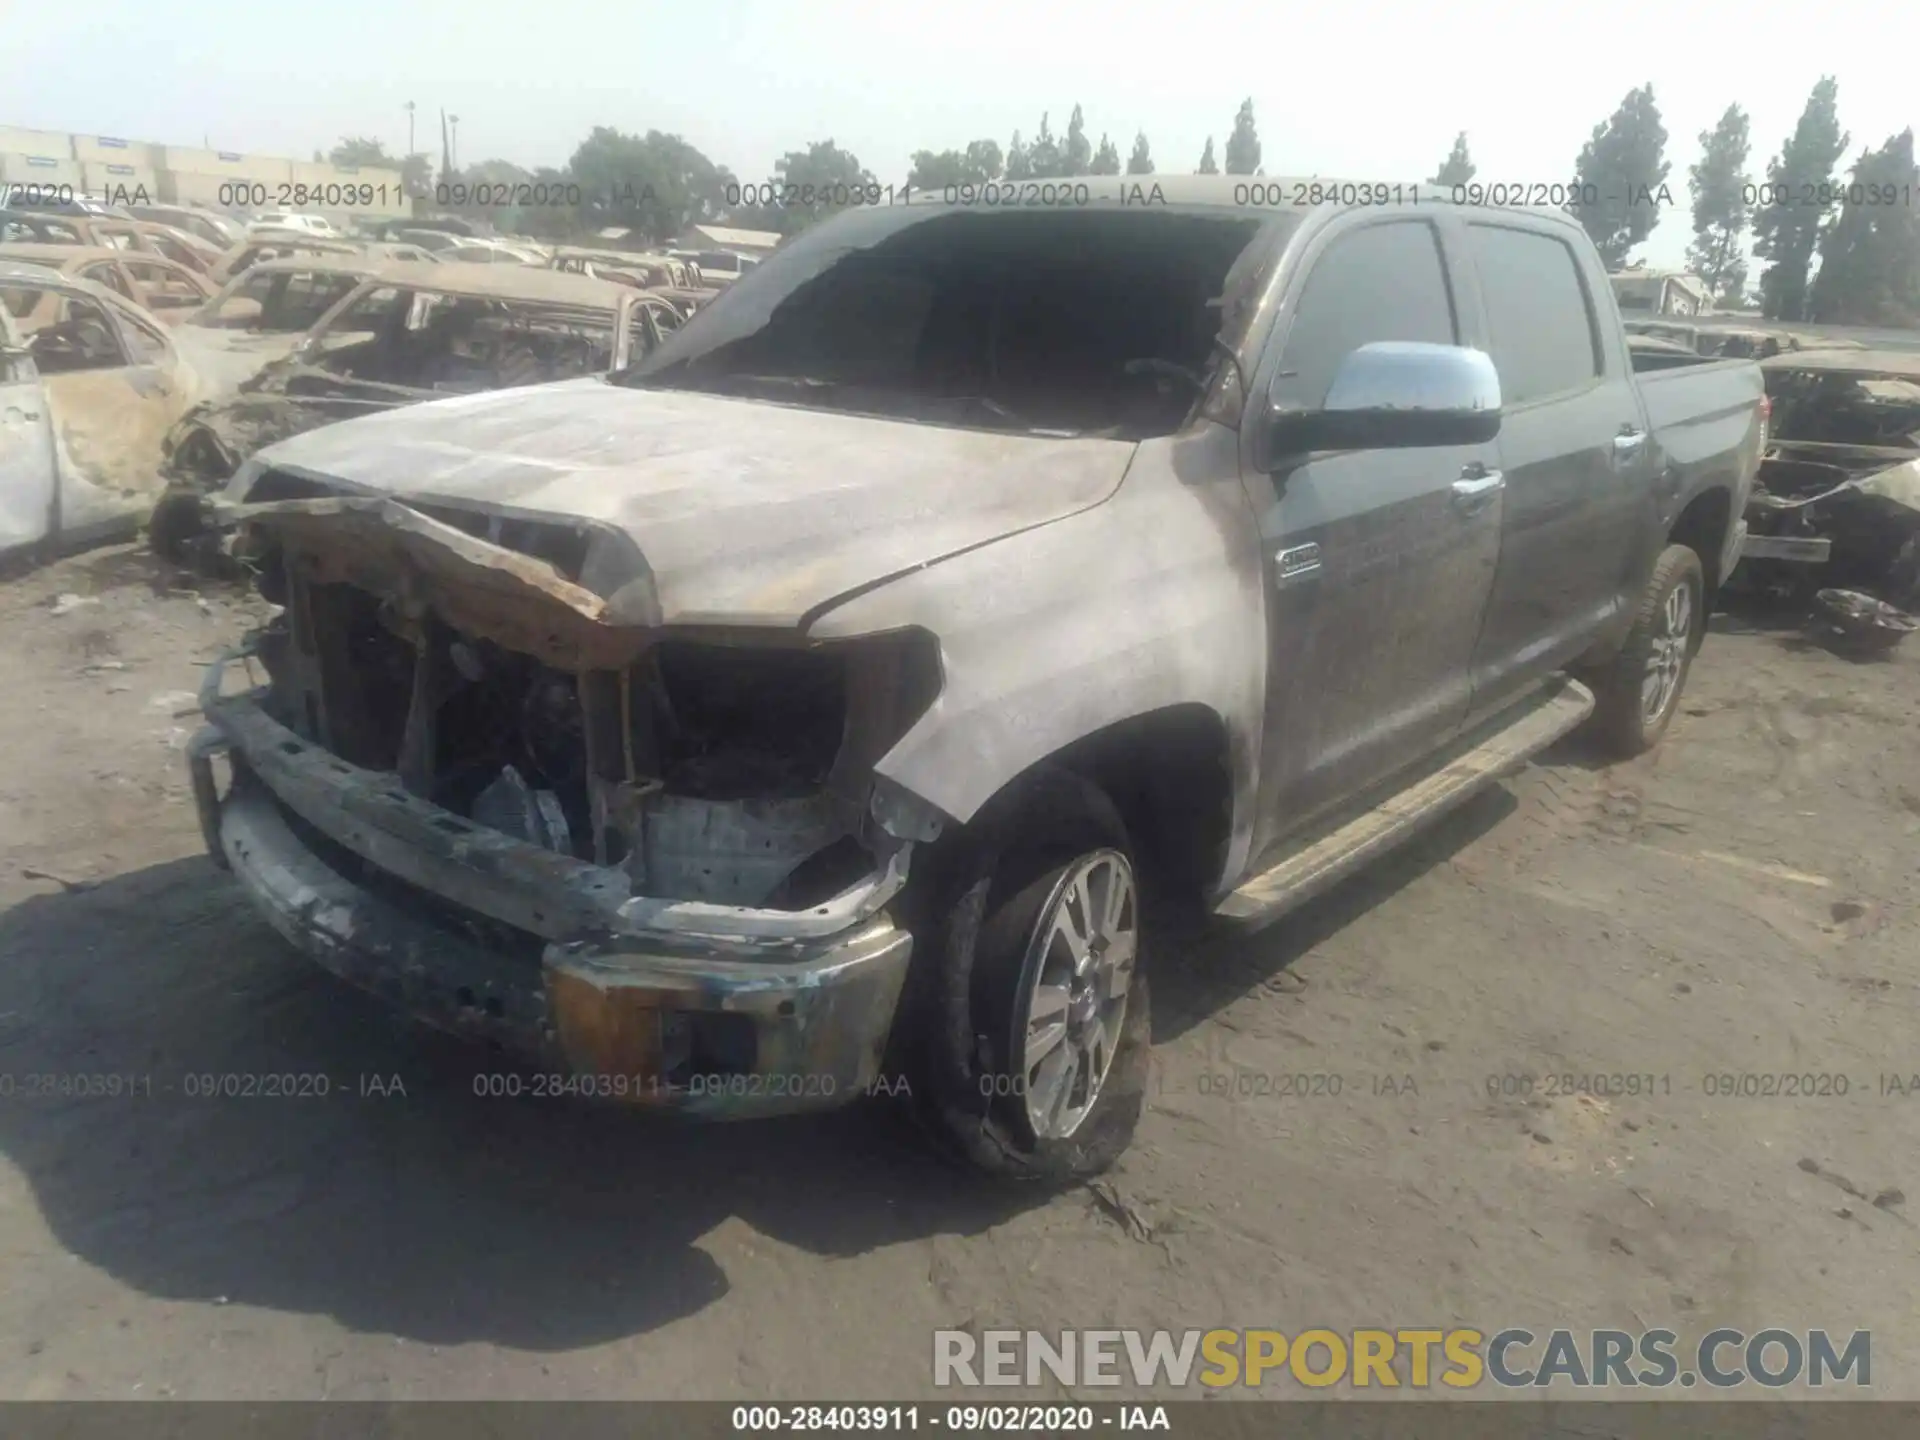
x=108 y=274
x=1542 y=330
x=1383 y=282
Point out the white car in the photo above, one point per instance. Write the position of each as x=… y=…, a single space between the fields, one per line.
x=290 y=220
x=86 y=400
x=489 y=252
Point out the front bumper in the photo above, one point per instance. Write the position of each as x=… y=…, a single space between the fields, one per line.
x=715 y=1010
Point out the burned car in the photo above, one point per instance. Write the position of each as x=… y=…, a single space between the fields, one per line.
x=163 y=289
x=110 y=232
x=89 y=384
x=392 y=335
x=1837 y=501
x=263 y=313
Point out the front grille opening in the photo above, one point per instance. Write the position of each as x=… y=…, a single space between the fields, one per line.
x=510 y=745
x=707 y=772
x=365 y=674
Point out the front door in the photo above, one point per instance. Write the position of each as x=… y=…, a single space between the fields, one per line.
x=1378 y=562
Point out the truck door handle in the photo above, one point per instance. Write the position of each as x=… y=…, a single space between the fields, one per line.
x=1628 y=442
x=1475 y=487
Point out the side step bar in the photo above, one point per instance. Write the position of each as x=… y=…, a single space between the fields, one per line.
x=1322 y=862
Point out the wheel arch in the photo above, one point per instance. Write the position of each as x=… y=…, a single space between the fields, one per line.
x=1167 y=773
x=1703 y=526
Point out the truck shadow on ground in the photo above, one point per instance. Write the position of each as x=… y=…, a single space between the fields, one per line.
x=406 y=1201
x=438 y=1215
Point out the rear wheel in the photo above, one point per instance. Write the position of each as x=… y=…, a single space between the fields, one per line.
x=1637 y=693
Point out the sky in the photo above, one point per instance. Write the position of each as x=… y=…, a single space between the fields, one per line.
x=1355 y=90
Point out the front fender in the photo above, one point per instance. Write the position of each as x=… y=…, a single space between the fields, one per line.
x=1150 y=600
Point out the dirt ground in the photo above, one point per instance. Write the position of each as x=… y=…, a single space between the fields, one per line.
x=1741 y=902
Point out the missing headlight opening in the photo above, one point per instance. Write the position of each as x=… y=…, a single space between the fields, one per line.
x=724 y=773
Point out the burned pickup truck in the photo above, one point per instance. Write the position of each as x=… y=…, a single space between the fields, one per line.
x=837 y=694
x=1837 y=502
x=389 y=334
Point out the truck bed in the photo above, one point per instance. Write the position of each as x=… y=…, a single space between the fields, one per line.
x=1704 y=417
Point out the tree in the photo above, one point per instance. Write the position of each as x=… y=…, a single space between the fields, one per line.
x=1077 y=157
x=548 y=222
x=984 y=161
x=1019 y=159
x=357 y=150
x=1621 y=177
x=1106 y=160
x=1207 y=165
x=1044 y=154
x=657 y=184
x=488 y=190
x=1140 y=162
x=824 y=177
x=1786 y=227
x=1720 y=186
x=977 y=164
x=1458 y=168
x=416 y=173
x=1243 y=145
x=1870 y=255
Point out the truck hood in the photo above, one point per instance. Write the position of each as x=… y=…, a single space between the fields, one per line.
x=743 y=512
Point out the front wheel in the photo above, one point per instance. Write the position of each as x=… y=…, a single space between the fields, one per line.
x=1037 y=1044
x=1637 y=693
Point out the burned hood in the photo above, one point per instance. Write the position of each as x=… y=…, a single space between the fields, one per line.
x=741 y=512
x=227 y=359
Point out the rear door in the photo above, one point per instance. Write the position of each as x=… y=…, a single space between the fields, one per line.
x=1573 y=446
x=27 y=489
x=1378 y=562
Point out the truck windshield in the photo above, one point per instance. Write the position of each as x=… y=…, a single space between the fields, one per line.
x=1090 y=320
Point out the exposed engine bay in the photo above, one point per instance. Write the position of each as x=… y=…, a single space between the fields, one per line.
x=707 y=770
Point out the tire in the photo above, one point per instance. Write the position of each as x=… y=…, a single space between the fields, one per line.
x=1632 y=707
x=175 y=525
x=984 y=940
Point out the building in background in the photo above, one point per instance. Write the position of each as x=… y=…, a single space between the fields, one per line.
x=109 y=168
x=1660 y=292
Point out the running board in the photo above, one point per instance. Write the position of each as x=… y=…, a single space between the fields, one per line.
x=1554 y=710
